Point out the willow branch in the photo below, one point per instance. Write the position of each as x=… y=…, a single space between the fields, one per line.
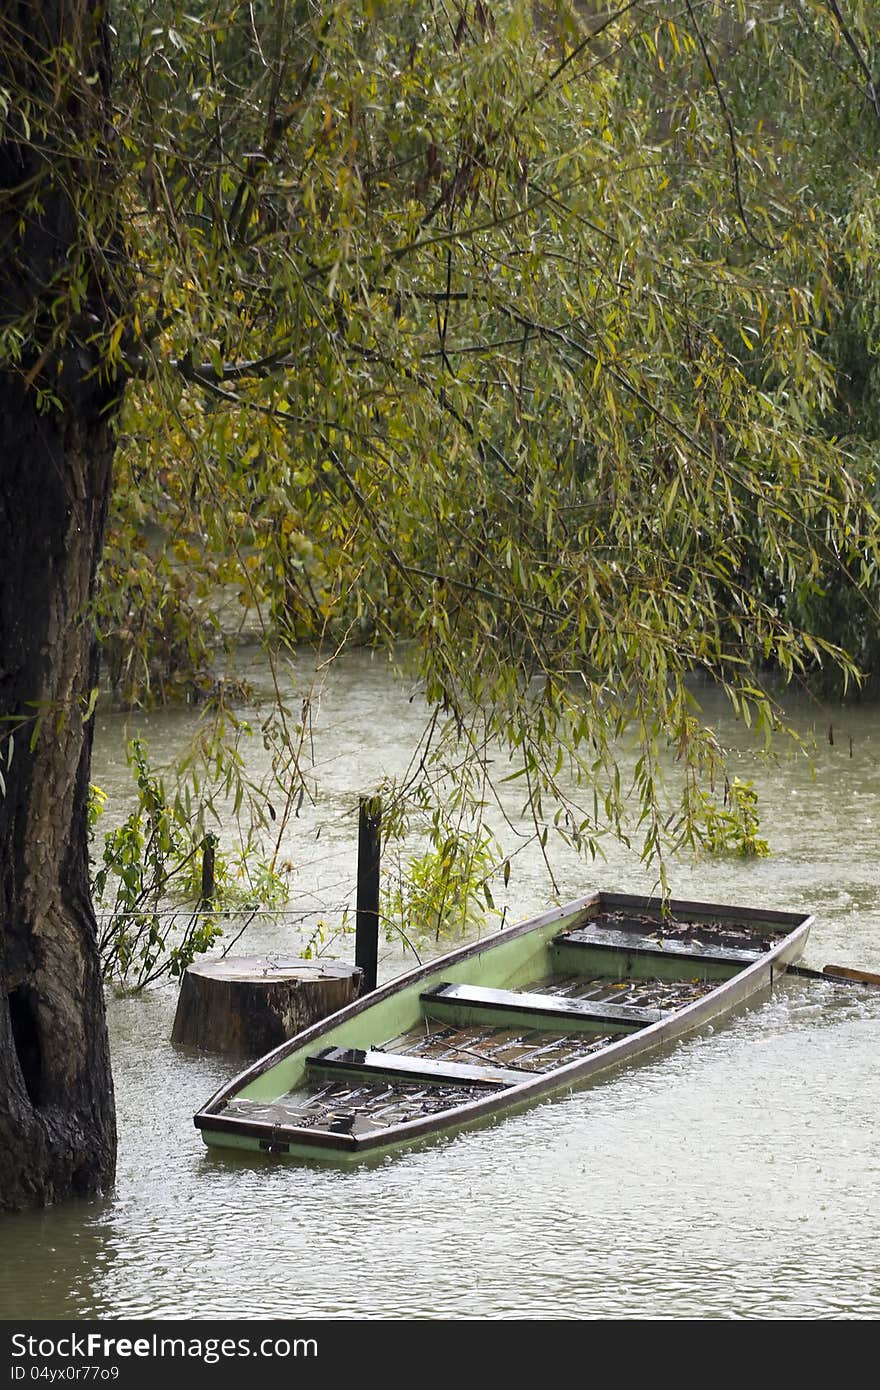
x=731 y=135
x=871 y=90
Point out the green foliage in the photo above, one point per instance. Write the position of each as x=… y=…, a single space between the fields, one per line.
x=732 y=828
x=96 y=806
x=148 y=883
x=323 y=938
x=442 y=804
x=445 y=891
x=522 y=336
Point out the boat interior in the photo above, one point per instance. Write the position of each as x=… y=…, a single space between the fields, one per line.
x=450 y=1039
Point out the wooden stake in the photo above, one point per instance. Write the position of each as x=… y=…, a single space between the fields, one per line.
x=366 y=942
x=208 y=846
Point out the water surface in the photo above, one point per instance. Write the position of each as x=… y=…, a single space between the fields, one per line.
x=733 y=1176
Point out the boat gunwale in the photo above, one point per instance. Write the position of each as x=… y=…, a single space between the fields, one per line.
x=643 y=1039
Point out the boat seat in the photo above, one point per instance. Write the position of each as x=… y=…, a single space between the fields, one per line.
x=395 y=1066
x=642 y=945
x=545 y=1009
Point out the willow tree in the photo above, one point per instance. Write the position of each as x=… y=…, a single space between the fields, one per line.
x=59 y=249
x=497 y=331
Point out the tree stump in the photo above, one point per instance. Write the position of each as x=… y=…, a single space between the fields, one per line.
x=247 y=1005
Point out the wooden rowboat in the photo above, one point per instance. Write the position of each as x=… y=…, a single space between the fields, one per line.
x=534 y=1010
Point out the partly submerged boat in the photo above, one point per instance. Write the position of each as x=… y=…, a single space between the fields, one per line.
x=534 y=1010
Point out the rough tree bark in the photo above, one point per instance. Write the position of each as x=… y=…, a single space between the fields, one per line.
x=57 y=1123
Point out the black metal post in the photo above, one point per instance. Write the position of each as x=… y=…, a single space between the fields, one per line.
x=366 y=940
x=208 y=845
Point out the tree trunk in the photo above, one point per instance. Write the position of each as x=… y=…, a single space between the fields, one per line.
x=57 y=1124
x=57 y=1132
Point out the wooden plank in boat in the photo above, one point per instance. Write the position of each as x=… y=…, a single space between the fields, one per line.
x=625 y=941
x=408 y=1068
x=544 y=1006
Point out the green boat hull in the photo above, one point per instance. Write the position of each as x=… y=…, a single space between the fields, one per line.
x=372 y=1078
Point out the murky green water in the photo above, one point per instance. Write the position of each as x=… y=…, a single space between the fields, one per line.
x=736 y=1176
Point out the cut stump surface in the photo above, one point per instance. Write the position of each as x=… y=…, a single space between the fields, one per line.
x=248 y=1005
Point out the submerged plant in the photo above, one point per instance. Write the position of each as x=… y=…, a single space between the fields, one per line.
x=159 y=906
x=733 y=827
x=445 y=890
